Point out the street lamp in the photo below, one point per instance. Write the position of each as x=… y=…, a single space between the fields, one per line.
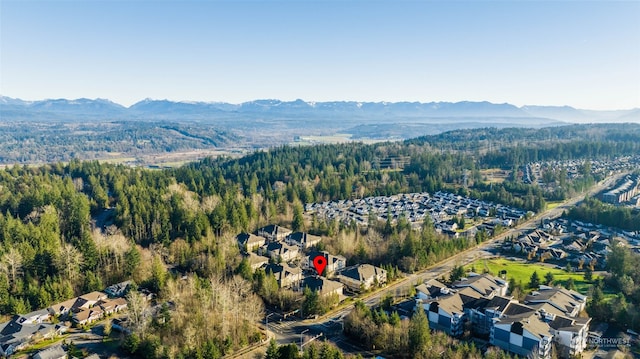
x=304 y=331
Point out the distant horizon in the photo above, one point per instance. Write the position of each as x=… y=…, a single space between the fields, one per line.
x=127 y=106
x=583 y=54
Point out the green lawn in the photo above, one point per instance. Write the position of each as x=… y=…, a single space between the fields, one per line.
x=521 y=271
x=553 y=204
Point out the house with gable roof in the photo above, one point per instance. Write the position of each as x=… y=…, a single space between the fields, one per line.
x=256 y=261
x=279 y=251
x=286 y=276
x=18 y=333
x=273 y=232
x=54 y=352
x=334 y=262
x=302 y=240
x=249 y=242
x=324 y=286
x=362 y=277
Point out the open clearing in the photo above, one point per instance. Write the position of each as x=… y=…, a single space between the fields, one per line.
x=522 y=271
x=494 y=175
x=553 y=204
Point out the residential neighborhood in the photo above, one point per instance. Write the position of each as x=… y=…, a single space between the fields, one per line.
x=576 y=243
x=27 y=329
x=541 y=172
x=626 y=191
x=440 y=208
x=289 y=256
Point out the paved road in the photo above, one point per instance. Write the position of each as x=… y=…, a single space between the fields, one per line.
x=287 y=331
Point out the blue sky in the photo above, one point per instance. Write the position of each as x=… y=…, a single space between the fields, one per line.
x=582 y=54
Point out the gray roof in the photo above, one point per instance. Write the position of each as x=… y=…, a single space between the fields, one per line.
x=321 y=284
x=362 y=272
x=563 y=299
x=55 y=352
x=484 y=284
x=451 y=304
x=498 y=303
x=247 y=239
x=331 y=259
x=515 y=309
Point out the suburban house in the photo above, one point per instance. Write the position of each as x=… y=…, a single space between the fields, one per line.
x=110 y=306
x=334 y=263
x=323 y=286
x=485 y=284
x=87 y=315
x=540 y=237
x=250 y=242
x=362 y=277
x=37 y=317
x=89 y=300
x=120 y=324
x=63 y=308
x=54 y=352
x=118 y=289
x=17 y=334
x=280 y=251
x=79 y=307
x=273 y=232
x=302 y=240
x=285 y=275
x=256 y=261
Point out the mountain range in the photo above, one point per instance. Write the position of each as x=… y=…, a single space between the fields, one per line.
x=354 y=113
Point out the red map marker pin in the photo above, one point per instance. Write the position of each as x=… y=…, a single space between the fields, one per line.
x=319 y=262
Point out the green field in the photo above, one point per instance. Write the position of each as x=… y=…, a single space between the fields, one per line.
x=553 y=204
x=521 y=271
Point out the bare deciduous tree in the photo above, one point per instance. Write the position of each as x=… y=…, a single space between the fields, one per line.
x=68 y=261
x=11 y=264
x=138 y=312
